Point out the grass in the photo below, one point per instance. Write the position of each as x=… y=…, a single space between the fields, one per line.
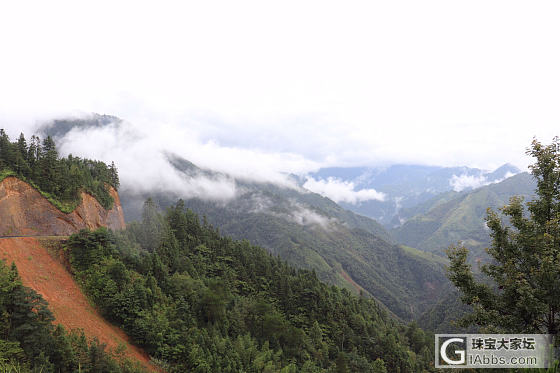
x=5 y=173
x=65 y=207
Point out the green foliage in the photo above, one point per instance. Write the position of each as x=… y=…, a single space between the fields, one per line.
x=29 y=342
x=198 y=301
x=5 y=173
x=523 y=291
x=333 y=252
x=60 y=180
x=451 y=217
x=314 y=233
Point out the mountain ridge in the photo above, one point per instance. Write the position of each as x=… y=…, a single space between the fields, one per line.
x=313 y=232
x=405 y=186
x=459 y=216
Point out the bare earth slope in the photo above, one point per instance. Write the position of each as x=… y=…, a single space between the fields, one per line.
x=47 y=276
x=24 y=211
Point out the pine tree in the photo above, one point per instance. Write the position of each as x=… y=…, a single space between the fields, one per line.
x=22 y=146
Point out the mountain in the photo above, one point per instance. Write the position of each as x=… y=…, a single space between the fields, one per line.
x=198 y=301
x=58 y=128
x=190 y=297
x=304 y=228
x=459 y=216
x=405 y=186
x=313 y=232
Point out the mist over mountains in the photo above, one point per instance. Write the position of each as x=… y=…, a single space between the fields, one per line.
x=348 y=224
x=399 y=187
x=303 y=186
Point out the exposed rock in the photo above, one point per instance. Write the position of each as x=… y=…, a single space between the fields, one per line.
x=24 y=211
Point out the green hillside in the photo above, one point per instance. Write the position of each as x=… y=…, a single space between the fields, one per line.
x=59 y=179
x=312 y=232
x=400 y=280
x=308 y=230
x=453 y=217
x=199 y=301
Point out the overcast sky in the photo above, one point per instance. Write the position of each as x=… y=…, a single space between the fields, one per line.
x=318 y=82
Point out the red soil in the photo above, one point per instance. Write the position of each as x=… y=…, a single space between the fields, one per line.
x=24 y=211
x=47 y=276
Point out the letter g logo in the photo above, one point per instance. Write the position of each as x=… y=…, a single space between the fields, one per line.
x=461 y=353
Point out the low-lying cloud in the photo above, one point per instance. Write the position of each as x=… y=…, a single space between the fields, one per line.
x=294 y=212
x=342 y=191
x=141 y=151
x=464 y=181
x=304 y=216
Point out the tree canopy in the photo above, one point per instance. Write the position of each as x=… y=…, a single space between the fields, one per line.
x=198 y=301
x=59 y=179
x=521 y=288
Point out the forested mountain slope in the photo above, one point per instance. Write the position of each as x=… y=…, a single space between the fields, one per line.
x=59 y=179
x=452 y=217
x=304 y=228
x=313 y=232
x=199 y=301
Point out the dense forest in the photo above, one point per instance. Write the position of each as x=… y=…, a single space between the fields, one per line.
x=198 y=301
x=57 y=178
x=29 y=342
x=348 y=250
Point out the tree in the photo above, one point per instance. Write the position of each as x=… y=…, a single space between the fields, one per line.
x=152 y=225
x=50 y=168
x=523 y=291
x=22 y=146
x=114 y=175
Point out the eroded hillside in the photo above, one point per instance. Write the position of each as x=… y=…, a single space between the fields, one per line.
x=45 y=274
x=24 y=211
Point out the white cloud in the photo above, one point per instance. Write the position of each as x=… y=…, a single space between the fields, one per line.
x=464 y=181
x=304 y=216
x=342 y=191
x=142 y=162
x=393 y=82
x=294 y=212
x=140 y=150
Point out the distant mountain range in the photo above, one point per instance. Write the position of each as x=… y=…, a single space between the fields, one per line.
x=459 y=216
x=405 y=186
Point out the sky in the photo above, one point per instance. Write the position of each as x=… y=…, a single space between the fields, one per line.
x=293 y=85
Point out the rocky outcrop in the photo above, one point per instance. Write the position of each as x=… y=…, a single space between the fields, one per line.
x=24 y=211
